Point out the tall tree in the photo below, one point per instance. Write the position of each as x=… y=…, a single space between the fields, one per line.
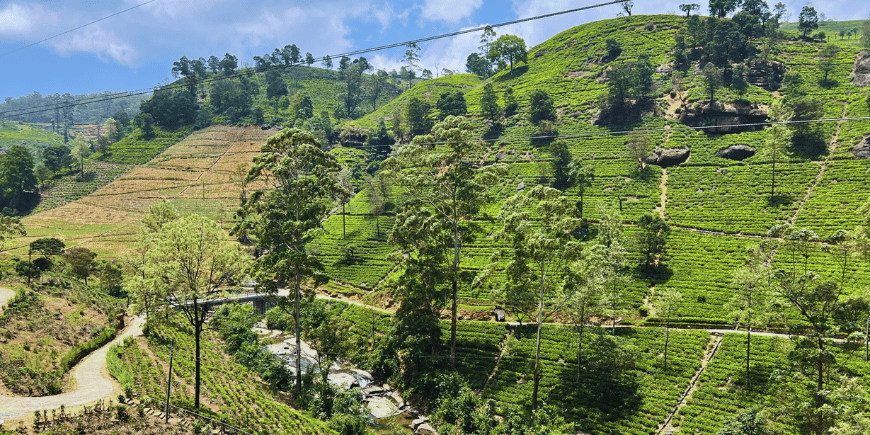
x=712 y=80
x=721 y=8
x=10 y=227
x=751 y=302
x=411 y=61
x=309 y=59
x=16 y=176
x=80 y=261
x=451 y=103
x=815 y=298
x=377 y=83
x=652 y=238
x=581 y=176
x=541 y=107
x=583 y=291
x=191 y=261
x=378 y=188
x=417 y=113
x=689 y=7
x=489 y=108
x=666 y=304
x=539 y=224
x=559 y=164
x=508 y=50
x=826 y=61
x=808 y=20
x=56 y=157
x=446 y=182
x=281 y=217
x=780 y=135
x=344 y=179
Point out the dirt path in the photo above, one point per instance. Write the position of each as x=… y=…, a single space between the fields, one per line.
x=91 y=377
x=832 y=146
x=5 y=296
x=666 y=426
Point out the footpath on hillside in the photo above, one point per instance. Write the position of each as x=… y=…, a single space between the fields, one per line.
x=92 y=382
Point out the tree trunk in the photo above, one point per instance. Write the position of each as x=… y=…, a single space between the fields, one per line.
x=538 y=344
x=298 y=340
x=455 y=290
x=667 y=338
x=580 y=341
x=196 y=338
x=343 y=232
x=773 y=174
x=748 y=337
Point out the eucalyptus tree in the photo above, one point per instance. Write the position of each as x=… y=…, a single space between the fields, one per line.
x=751 y=302
x=539 y=225
x=613 y=248
x=666 y=304
x=344 y=179
x=444 y=181
x=815 y=298
x=191 y=260
x=581 y=176
x=583 y=292
x=378 y=189
x=297 y=181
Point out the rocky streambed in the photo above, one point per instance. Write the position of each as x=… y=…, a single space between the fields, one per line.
x=381 y=399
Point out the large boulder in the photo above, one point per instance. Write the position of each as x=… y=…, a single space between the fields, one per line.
x=862 y=69
x=667 y=157
x=862 y=150
x=736 y=152
x=724 y=118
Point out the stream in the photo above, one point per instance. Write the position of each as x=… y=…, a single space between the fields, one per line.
x=383 y=402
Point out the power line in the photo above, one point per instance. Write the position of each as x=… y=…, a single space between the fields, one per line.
x=77 y=28
x=273 y=67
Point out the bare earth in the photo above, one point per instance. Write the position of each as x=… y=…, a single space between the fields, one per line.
x=92 y=383
x=5 y=295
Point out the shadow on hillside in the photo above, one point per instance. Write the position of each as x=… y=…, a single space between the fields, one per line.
x=518 y=71
x=809 y=144
x=29 y=202
x=780 y=200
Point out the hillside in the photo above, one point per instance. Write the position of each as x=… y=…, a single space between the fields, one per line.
x=711 y=202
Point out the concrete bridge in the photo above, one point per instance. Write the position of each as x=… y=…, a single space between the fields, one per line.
x=261 y=302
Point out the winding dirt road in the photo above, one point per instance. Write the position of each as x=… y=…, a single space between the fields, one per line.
x=92 y=382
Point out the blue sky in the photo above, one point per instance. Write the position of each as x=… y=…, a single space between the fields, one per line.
x=135 y=50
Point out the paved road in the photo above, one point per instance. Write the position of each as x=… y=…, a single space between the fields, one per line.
x=92 y=381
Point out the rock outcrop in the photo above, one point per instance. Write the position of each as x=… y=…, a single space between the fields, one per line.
x=862 y=69
x=862 y=150
x=736 y=152
x=667 y=157
x=719 y=118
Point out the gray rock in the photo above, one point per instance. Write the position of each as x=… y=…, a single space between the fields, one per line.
x=667 y=157
x=736 y=152
x=425 y=429
x=862 y=150
x=521 y=186
x=418 y=422
x=862 y=69
x=499 y=315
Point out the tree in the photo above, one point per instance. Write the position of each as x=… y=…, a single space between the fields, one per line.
x=508 y=49
x=748 y=422
x=541 y=107
x=689 y=7
x=111 y=278
x=489 y=108
x=426 y=74
x=751 y=302
x=559 y=164
x=666 y=303
x=275 y=86
x=380 y=142
x=327 y=62
x=477 y=64
x=614 y=48
x=378 y=188
x=48 y=247
x=191 y=260
x=510 y=102
x=42 y=174
x=377 y=83
x=214 y=64
x=16 y=176
x=582 y=177
x=814 y=298
x=451 y=103
x=638 y=143
x=444 y=183
x=145 y=123
x=826 y=61
x=352 y=75
x=171 y=108
x=721 y=8
x=652 y=238
x=80 y=261
x=411 y=61
x=419 y=121
x=808 y=20
x=626 y=6
x=344 y=180
x=780 y=135
x=26 y=269
x=229 y=64
x=309 y=59
x=538 y=226
x=282 y=216
x=712 y=80
x=56 y=157
x=483 y=63
x=611 y=243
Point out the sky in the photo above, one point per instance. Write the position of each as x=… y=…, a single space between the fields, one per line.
x=135 y=49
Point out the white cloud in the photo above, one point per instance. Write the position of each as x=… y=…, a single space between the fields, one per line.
x=25 y=21
x=450 y=11
x=94 y=39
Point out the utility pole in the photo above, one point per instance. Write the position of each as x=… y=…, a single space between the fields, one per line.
x=169 y=381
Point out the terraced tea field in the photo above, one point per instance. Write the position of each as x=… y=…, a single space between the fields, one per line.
x=195 y=175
